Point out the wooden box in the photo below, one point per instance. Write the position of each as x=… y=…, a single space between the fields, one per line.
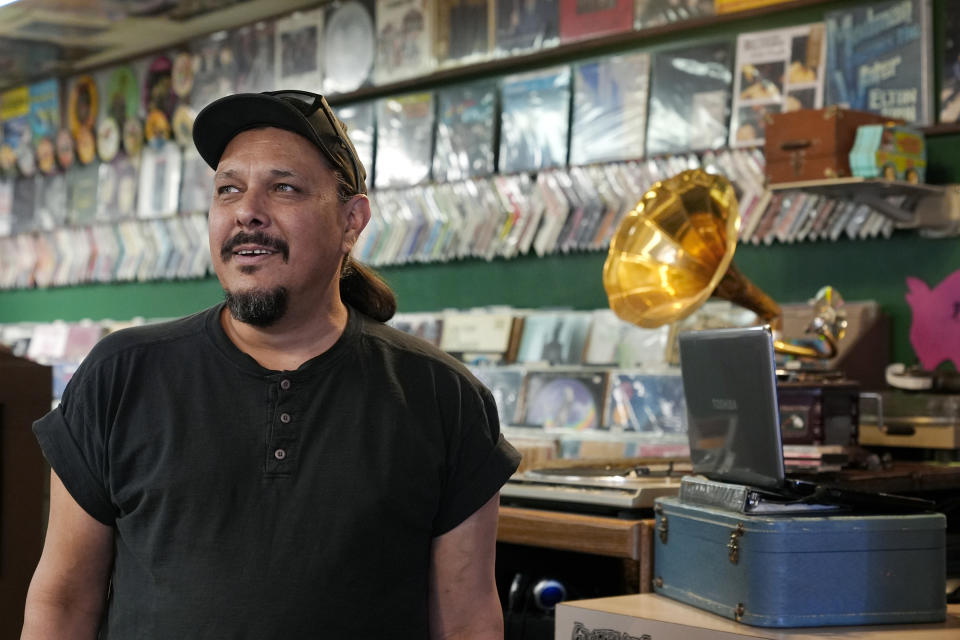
x=813 y=144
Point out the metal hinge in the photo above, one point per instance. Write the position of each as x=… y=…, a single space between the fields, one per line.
x=733 y=546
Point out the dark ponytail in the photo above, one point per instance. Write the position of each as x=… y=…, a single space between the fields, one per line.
x=365 y=291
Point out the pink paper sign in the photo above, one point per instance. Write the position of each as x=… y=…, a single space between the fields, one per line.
x=935 y=331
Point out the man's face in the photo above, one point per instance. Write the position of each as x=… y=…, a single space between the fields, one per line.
x=275 y=221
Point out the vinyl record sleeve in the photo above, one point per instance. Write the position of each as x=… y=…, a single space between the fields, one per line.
x=44 y=116
x=120 y=89
x=535 y=120
x=776 y=71
x=404 y=39
x=879 y=59
x=404 y=139
x=609 y=108
x=50 y=210
x=298 y=51
x=950 y=65
x=196 y=189
x=689 y=99
x=506 y=386
x=6 y=207
x=655 y=13
x=160 y=174
x=349 y=48
x=82 y=104
x=426 y=326
x=554 y=338
x=158 y=92
x=214 y=69
x=359 y=118
x=564 y=400
x=465 y=30
x=581 y=19
x=24 y=200
x=526 y=24
x=646 y=402
x=253 y=51
x=466 y=117
x=82 y=184
x=181 y=75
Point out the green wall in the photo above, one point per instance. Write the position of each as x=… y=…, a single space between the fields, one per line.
x=874 y=269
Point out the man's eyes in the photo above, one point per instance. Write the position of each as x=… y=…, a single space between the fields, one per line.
x=227 y=188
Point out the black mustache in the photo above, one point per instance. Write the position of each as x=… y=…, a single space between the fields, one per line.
x=257 y=237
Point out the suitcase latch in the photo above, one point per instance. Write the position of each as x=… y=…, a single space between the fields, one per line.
x=664 y=526
x=733 y=546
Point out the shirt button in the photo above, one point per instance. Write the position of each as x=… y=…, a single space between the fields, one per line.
x=284 y=384
x=279 y=454
x=284 y=418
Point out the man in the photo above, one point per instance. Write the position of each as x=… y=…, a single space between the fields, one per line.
x=282 y=465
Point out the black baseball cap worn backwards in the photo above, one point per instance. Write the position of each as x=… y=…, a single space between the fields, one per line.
x=301 y=112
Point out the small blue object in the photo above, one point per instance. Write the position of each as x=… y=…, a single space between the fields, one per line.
x=548 y=593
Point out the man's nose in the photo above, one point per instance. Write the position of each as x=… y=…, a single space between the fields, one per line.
x=252 y=211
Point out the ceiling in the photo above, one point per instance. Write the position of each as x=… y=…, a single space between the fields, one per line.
x=40 y=39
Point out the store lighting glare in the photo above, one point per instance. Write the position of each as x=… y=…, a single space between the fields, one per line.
x=4 y=3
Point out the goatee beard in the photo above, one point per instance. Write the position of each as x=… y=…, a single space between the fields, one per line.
x=259 y=307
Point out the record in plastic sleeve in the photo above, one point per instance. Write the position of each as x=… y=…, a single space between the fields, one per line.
x=86 y=146
x=123 y=96
x=108 y=139
x=158 y=127
x=82 y=107
x=183 y=125
x=46 y=155
x=298 y=50
x=26 y=158
x=348 y=47
x=181 y=75
x=65 y=148
x=252 y=48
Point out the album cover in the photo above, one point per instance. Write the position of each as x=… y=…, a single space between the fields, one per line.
x=82 y=184
x=554 y=338
x=158 y=94
x=6 y=207
x=526 y=24
x=479 y=331
x=196 y=188
x=466 y=116
x=654 y=13
x=253 y=50
x=776 y=71
x=214 y=69
x=298 y=51
x=506 y=385
x=359 y=119
x=404 y=39
x=612 y=341
x=950 y=79
x=465 y=30
x=349 y=48
x=426 y=326
x=50 y=210
x=15 y=134
x=564 y=400
x=159 y=182
x=44 y=116
x=689 y=99
x=646 y=402
x=879 y=59
x=592 y=19
x=24 y=200
x=534 y=120
x=404 y=139
x=609 y=108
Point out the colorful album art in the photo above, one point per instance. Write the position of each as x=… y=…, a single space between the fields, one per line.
x=506 y=386
x=133 y=136
x=654 y=13
x=297 y=52
x=253 y=50
x=571 y=400
x=526 y=24
x=121 y=97
x=46 y=155
x=592 y=19
x=44 y=113
x=404 y=39
x=183 y=117
x=465 y=29
x=214 y=69
x=158 y=92
x=65 y=148
x=108 y=139
x=86 y=146
x=157 y=128
x=181 y=75
x=466 y=115
x=689 y=99
x=644 y=402
x=82 y=105
x=349 y=48
x=534 y=120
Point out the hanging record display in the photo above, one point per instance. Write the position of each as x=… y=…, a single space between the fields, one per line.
x=126 y=187
x=132 y=136
x=158 y=87
x=252 y=48
x=214 y=69
x=65 y=148
x=181 y=75
x=298 y=51
x=26 y=157
x=86 y=146
x=108 y=139
x=46 y=155
x=183 y=125
x=44 y=116
x=122 y=97
x=82 y=107
x=348 y=47
x=158 y=126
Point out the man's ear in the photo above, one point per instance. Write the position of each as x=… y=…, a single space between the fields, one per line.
x=356 y=217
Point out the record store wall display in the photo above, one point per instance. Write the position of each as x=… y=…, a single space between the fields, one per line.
x=581 y=19
x=523 y=25
x=253 y=54
x=214 y=69
x=298 y=50
x=950 y=65
x=609 y=108
x=689 y=99
x=776 y=71
x=404 y=39
x=879 y=59
x=349 y=46
x=466 y=121
x=404 y=140
x=534 y=120
x=655 y=13
x=465 y=30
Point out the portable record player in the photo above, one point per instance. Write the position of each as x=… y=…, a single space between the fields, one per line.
x=623 y=486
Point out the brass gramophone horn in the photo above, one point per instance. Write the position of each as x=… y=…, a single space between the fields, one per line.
x=675 y=249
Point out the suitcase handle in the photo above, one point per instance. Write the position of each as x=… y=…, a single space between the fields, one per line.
x=902 y=430
x=795 y=145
